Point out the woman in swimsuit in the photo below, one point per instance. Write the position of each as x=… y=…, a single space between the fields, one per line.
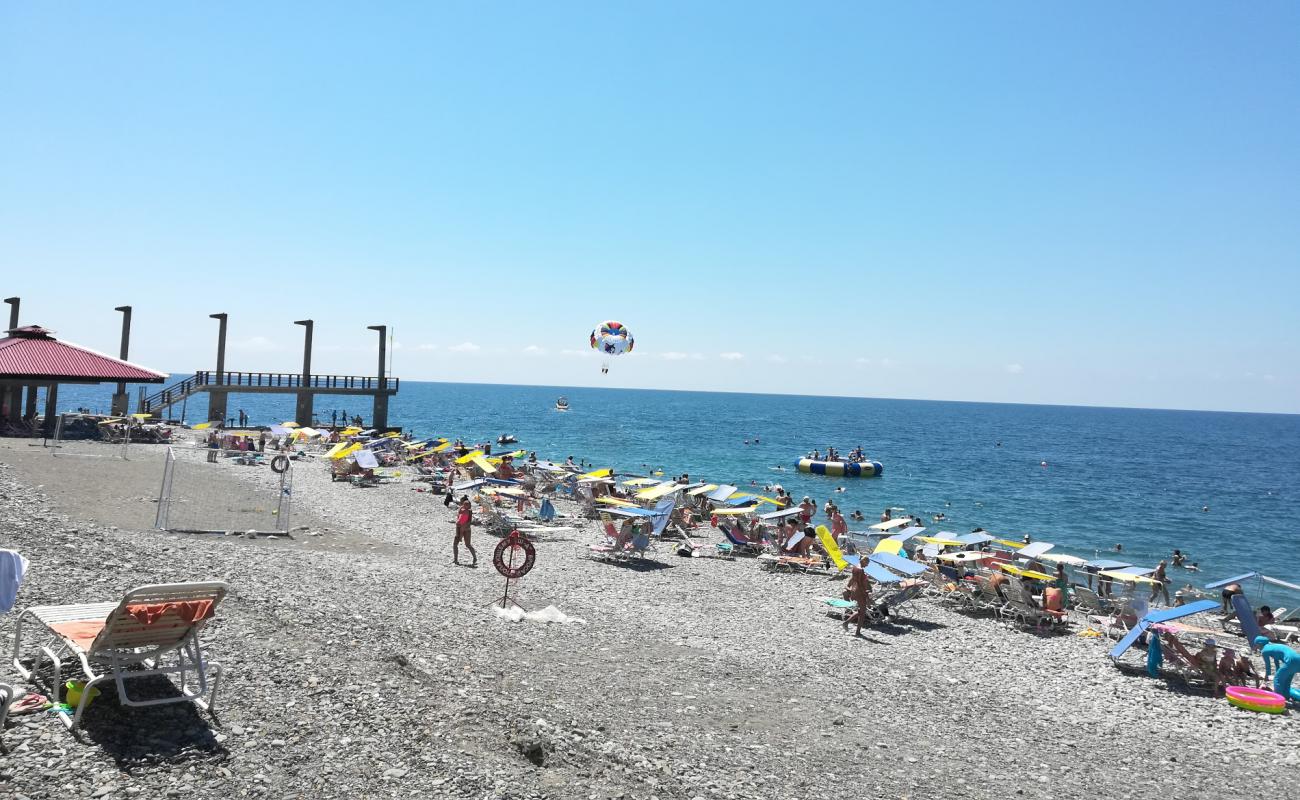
x=464 y=516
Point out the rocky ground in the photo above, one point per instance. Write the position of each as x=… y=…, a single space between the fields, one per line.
x=361 y=663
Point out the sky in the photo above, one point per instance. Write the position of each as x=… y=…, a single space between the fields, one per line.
x=1090 y=204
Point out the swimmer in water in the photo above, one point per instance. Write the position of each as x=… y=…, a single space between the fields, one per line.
x=1119 y=548
x=1205 y=509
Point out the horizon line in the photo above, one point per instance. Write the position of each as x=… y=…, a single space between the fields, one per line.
x=844 y=397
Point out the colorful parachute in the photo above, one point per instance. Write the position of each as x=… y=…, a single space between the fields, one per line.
x=611 y=339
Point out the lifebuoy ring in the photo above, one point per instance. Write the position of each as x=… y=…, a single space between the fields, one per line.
x=279 y=464
x=506 y=556
x=1260 y=700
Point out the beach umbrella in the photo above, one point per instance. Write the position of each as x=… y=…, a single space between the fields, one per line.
x=597 y=473
x=940 y=541
x=733 y=512
x=1127 y=577
x=1063 y=558
x=890 y=524
x=1026 y=573
x=963 y=555
x=289 y=424
x=470 y=456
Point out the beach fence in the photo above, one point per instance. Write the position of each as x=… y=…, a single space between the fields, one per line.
x=191 y=501
x=75 y=427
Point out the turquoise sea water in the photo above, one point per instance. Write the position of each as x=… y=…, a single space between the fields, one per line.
x=1139 y=477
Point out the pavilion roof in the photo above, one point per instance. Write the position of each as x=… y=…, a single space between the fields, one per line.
x=31 y=353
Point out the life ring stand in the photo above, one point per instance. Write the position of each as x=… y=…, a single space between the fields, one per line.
x=280 y=465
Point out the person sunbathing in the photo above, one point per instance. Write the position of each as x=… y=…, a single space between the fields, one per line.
x=1244 y=670
x=1205 y=660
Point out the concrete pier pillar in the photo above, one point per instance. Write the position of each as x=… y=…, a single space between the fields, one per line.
x=379 y=416
x=303 y=412
x=217 y=398
x=120 y=398
x=14 y=398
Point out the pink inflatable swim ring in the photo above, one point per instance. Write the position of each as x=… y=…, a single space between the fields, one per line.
x=1260 y=700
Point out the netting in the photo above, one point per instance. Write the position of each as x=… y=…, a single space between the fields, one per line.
x=191 y=500
x=76 y=427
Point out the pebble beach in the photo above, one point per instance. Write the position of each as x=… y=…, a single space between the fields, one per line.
x=360 y=662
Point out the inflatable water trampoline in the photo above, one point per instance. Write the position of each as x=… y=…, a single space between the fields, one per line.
x=848 y=469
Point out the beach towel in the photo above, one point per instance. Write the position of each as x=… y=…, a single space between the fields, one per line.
x=12 y=569
x=190 y=611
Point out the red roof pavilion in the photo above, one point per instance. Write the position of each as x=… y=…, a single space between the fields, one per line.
x=31 y=357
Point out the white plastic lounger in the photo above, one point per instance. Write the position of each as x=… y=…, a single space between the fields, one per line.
x=128 y=639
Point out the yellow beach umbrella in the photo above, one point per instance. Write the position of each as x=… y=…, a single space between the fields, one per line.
x=640 y=482
x=290 y=424
x=1009 y=543
x=1026 y=573
x=888 y=546
x=342 y=450
x=348 y=431
x=441 y=447
x=470 y=456
x=614 y=501
x=699 y=490
x=732 y=512
x=656 y=492
x=202 y=426
x=940 y=541
x=597 y=473
x=1127 y=577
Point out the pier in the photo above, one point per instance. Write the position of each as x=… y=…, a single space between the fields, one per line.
x=218 y=384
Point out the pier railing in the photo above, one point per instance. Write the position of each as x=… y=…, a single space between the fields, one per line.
x=205 y=380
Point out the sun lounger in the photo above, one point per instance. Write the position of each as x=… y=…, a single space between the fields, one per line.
x=126 y=640
x=1022 y=608
x=739 y=545
x=899 y=564
x=1158 y=617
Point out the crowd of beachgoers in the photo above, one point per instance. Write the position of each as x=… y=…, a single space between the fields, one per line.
x=886 y=567
x=713 y=661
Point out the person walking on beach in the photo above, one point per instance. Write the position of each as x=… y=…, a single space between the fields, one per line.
x=464 y=517
x=859 y=591
x=1162 y=584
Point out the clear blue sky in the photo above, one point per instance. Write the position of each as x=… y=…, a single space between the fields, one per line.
x=1096 y=203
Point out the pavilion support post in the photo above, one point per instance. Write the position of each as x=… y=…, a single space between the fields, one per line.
x=30 y=413
x=306 y=398
x=217 y=397
x=14 y=399
x=51 y=409
x=379 y=416
x=120 y=398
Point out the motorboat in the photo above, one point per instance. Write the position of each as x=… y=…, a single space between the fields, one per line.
x=562 y=404
x=506 y=438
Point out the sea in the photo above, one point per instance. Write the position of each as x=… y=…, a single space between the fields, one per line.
x=1224 y=488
